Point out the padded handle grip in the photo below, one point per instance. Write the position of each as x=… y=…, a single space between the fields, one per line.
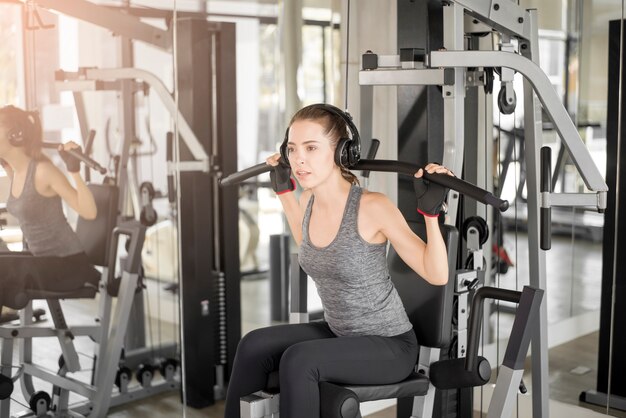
x=451 y=374
x=545 y=213
x=169 y=156
x=338 y=402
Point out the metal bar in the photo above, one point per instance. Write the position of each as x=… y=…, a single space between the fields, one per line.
x=155 y=83
x=597 y=200
x=400 y=77
x=546 y=94
x=454 y=102
x=423 y=406
x=6 y=358
x=527 y=310
x=64 y=336
x=117 y=22
x=537 y=258
x=64 y=382
x=504 y=394
x=298 y=311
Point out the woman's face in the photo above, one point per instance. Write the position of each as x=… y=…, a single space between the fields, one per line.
x=311 y=153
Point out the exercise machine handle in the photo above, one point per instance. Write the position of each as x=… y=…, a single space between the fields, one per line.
x=453 y=183
x=545 y=213
x=89 y=162
x=169 y=156
x=400 y=167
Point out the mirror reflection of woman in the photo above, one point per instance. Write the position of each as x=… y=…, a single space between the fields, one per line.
x=57 y=261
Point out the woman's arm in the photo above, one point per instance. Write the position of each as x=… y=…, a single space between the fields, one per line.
x=429 y=260
x=293 y=210
x=80 y=198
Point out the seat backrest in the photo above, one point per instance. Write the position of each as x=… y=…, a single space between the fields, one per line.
x=429 y=307
x=95 y=235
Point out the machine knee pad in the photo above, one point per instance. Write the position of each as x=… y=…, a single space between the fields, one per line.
x=15 y=298
x=6 y=387
x=451 y=374
x=338 y=402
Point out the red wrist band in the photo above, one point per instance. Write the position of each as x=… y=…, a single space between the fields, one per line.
x=427 y=215
x=293 y=187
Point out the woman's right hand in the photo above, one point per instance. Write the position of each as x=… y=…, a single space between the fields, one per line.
x=280 y=175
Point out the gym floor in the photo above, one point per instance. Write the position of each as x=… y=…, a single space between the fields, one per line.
x=573 y=288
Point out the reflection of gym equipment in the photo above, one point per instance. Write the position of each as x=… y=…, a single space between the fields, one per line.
x=100 y=239
x=207 y=226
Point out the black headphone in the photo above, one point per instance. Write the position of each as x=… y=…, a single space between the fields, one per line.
x=348 y=151
x=16 y=137
x=15 y=134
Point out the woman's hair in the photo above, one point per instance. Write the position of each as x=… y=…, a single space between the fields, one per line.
x=335 y=128
x=25 y=127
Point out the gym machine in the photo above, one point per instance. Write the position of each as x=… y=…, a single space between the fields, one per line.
x=434 y=53
x=430 y=311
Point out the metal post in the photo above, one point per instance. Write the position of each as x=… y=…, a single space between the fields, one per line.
x=536 y=257
x=454 y=101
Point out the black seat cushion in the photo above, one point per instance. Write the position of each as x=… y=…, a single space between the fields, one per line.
x=414 y=385
x=19 y=298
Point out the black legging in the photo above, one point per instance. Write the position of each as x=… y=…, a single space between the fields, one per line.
x=306 y=354
x=19 y=271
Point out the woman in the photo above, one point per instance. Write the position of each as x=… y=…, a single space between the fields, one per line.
x=342 y=231
x=58 y=262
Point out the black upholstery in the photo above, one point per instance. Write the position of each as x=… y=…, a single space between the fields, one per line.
x=414 y=385
x=338 y=398
x=95 y=235
x=429 y=307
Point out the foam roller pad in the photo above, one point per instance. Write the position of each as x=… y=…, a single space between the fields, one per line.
x=451 y=374
x=6 y=387
x=338 y=402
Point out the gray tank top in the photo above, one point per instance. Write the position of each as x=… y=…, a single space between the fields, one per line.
x=42 y=221
x=352 y=278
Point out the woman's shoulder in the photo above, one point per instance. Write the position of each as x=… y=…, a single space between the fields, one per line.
x=45 y=169
x=46 y=174
x=375 y=202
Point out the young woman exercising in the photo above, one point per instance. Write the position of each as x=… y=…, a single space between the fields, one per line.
x=342 y=231
x=58 y=262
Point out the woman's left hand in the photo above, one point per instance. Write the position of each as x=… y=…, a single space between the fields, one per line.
x=434 y=168
x=431 y=197
x=72 y=163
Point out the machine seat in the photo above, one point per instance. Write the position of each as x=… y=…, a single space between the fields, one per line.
x=86 y=292
x=414 y=385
